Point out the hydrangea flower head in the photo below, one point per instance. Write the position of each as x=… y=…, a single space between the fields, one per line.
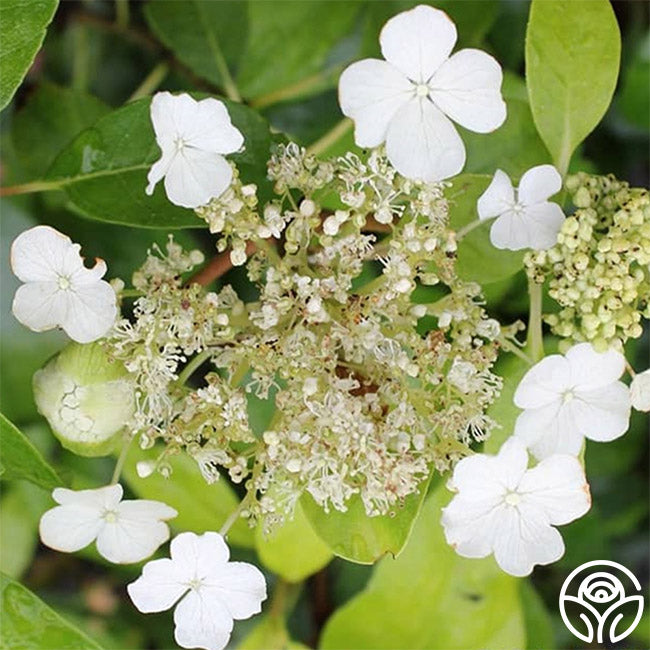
x=572 y=397
x=59 y=291
x=409 y=100
x=208 y=590
x=525 y=218
x=502 y=507
x=193 y=136
x=126 y=531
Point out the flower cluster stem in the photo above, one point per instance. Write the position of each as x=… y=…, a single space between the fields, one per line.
x=535 y=340
x=121 y=460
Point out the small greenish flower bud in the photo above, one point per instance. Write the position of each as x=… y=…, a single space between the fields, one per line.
x=86 y=398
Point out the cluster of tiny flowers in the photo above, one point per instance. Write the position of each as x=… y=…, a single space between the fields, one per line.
x=599 y=270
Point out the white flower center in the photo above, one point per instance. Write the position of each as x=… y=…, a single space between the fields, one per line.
x=567 y=396
x=422 y=90
x=110 y=516
x=195 y=583
x=512 y=499
x=517 y=208
x=64 y=282
x=179 y=143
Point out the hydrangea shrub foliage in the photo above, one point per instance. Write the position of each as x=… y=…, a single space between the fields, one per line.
x=296 y=351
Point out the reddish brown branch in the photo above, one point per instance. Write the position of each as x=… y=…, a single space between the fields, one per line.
x=218 y=266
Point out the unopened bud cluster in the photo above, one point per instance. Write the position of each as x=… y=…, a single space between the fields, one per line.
x=599 y=270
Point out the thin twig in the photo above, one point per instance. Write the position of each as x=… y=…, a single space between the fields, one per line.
x=218 y=266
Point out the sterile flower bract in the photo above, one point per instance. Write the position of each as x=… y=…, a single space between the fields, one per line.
x=410 y=99
x=126 y=531
x=59 y=291
x=502 y=507
x=572 y=397
x=524 y=217
x=208 y=590
x=640 y=391
x=193 y=136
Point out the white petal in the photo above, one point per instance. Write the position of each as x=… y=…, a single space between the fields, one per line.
x=471 y=525
x=422 y=144
x=89 y=311
x=542 y=223
x=37 y=305
x=240 y=586
x=208 y=551
x=37 y=255
x=498 y=198
x=81 y=275
x=146 y=510
x=591 y=369
x=170 y=116
x=158 y=588
x=371 y=92
x=127 y=540
x=212 y=129
x=467 y=88
x=525 y=539
x=557 y=485
x=195 y=177
x=539 y=184
x=543 y=383
x=507 y=232
x=512 y=461
x=640 y=391
x=475 y=477
x=202 y=622
x=100 y=498
x=418 y=41
x=603 y=414
x=159 y=169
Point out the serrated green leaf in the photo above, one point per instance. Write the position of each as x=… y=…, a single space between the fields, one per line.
x=431 y=598
x=478 y=259
x=293 y=550
x=201 y=507
x=355 y=536
x=51 y=118
x=21 y=460
x=27 y=622
x=104 y=170
x=22 y=30
x=573 y=53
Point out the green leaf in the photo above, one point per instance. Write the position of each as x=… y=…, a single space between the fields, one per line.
x=431 y=598
x=270 y=633
x=52 y=116
x=478 y=259
x=21 y=460
x=27 y=622
x=203 y=35
x=22 y=30
x=104 y=170
x=355 y=536
x=201 y=507
x=572 y=59
x=293 y=551
x=539 y=627
x=634 y=99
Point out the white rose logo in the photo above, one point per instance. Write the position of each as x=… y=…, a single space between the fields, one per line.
x=595 y=595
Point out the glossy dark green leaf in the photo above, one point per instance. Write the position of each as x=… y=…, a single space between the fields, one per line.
x=430 y=598
x=21 y=460
x=478 y=259
x=28 y=623
x=572 y=59
x=103 y=171
x=355 y=536
x=22 y=30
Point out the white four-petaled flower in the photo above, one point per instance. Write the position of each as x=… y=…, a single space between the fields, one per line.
x=502 y=507
x=640 y=391
x=524 y=217
x=126 y=531
x=408 y=99
x=59 y=291
x=572 y=397
x=208 y=590
x=193 y=136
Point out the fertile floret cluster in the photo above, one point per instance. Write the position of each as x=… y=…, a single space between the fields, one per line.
x=599 y=270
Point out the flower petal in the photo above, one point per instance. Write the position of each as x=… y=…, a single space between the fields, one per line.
x=106 y=497
x=208 y=551
x=202 y=621
x=171 y=115
x=158 y=588
x=240 y=586
x=89 y=311
x=498 y=198
x=371 y=92
x=159 y=169
x=542 y=223
x=467 y=88
x=538 y=184
x=591 y=369
x=558 y=486
x=128 y=540
x=196 y=176
x=471 y=526
x=525 y=539
x=146 y=510
x=37 y=305
x=422 y=144
x=39 y=253
x=640 y=391
x=603 y=414
x=543 y=383
x=418 y=41
x=211 y=128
